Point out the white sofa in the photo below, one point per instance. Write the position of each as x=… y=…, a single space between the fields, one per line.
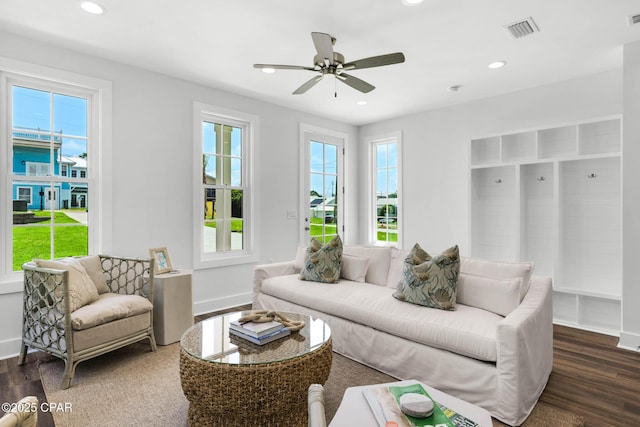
x=498 y=362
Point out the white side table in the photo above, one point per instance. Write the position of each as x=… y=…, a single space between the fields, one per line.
x=172 y=306
x=354 y=409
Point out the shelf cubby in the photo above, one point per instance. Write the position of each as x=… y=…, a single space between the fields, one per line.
x=519 y=146
x=485 y=151
x=558 y=142
x=600 y=137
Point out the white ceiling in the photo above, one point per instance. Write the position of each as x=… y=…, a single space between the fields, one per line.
x=445 y=42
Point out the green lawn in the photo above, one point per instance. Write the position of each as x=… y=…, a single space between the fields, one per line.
x=34 y=241
x=236 y=224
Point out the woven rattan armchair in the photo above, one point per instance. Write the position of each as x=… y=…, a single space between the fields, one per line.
x=121 y=315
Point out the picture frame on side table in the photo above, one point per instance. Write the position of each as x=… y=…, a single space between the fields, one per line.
x=162 y=261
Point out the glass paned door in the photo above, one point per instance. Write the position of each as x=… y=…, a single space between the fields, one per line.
x=322 y=214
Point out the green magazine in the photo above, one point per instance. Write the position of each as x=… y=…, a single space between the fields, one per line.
x=438 y=419
x=385 y=406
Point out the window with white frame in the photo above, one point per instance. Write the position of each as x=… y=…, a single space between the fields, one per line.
x=223 y=185
x=49 y=122
x=24 y=194
x=386 y=198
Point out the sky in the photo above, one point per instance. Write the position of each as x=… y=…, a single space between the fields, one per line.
x=32 y=109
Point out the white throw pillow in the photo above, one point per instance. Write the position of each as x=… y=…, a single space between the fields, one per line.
x=354 y=268
x=93 y=266
x=379 y=258
x=499 y=270
x=395 y=267
x=300 y=254
x=82 y=290
x=500 y=296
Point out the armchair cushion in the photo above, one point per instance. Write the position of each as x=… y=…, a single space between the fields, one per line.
x=82 y=290
x=109 y=307
x=93 y=266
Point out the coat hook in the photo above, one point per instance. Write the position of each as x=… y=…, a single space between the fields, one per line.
x=498 y=181
x=592 y=175
x=541 y=178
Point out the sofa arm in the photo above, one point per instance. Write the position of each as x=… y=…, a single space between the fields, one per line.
x=264 y=271
x=525 y=352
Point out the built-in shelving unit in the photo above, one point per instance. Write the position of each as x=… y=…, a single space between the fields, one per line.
x=553 y=196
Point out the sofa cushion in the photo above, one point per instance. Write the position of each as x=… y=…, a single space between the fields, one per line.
x=93 y=266
x=498 y=296
x=323 y=263
x=499 y=270
x=468 y=331
x=430 y=281
x=379 y=258
x=395 y=266
x=354 y=268
x=82 y=290
x=107 y=308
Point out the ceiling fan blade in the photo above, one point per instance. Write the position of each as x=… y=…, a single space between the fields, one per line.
x=375 y=61
x=283 y=67
x=308 y=85
x=355 y=83
x=324 y=45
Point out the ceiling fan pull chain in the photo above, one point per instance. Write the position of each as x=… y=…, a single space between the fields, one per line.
x=335 y=88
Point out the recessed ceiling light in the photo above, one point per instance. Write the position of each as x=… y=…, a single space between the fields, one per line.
x=269 y=70
x=362 y=102
x=497 y=64
x=92 y=8
x=411 y=2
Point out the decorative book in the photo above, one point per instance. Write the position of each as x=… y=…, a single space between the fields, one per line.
x=255 y=329
x=385 y=405
x=282 y=332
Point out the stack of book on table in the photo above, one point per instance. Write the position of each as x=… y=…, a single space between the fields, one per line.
x=385 y=405
x=258 y=333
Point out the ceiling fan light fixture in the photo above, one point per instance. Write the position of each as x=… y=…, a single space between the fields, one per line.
x=268 y=70
x=411 y=2
x=497 y=64
x=92 y=8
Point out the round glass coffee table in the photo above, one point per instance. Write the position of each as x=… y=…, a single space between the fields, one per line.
x=232 y=382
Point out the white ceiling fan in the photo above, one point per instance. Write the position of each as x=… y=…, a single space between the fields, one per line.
x=327 y=61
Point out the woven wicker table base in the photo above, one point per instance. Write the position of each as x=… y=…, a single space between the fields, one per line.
x=266 y=394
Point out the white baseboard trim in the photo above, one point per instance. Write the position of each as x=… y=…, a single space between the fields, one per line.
x=629 y=341
x=216 y=304
x=10 y=348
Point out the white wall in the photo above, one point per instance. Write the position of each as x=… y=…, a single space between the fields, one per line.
x=152 y=174
x=436 y=145
x=630 y=336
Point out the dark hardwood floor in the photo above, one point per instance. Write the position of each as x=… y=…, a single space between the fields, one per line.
x=591 y=377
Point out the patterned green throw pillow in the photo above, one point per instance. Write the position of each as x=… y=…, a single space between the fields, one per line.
x=430 y=281
x=322 y=263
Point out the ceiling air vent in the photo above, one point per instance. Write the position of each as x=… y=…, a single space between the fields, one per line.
x=522 y=28
x=634 y=19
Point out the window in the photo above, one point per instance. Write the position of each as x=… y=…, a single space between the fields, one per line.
x=386 y=190
x=24 y=194
x=37 y=169
x=223 y=187
x=49 y=124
